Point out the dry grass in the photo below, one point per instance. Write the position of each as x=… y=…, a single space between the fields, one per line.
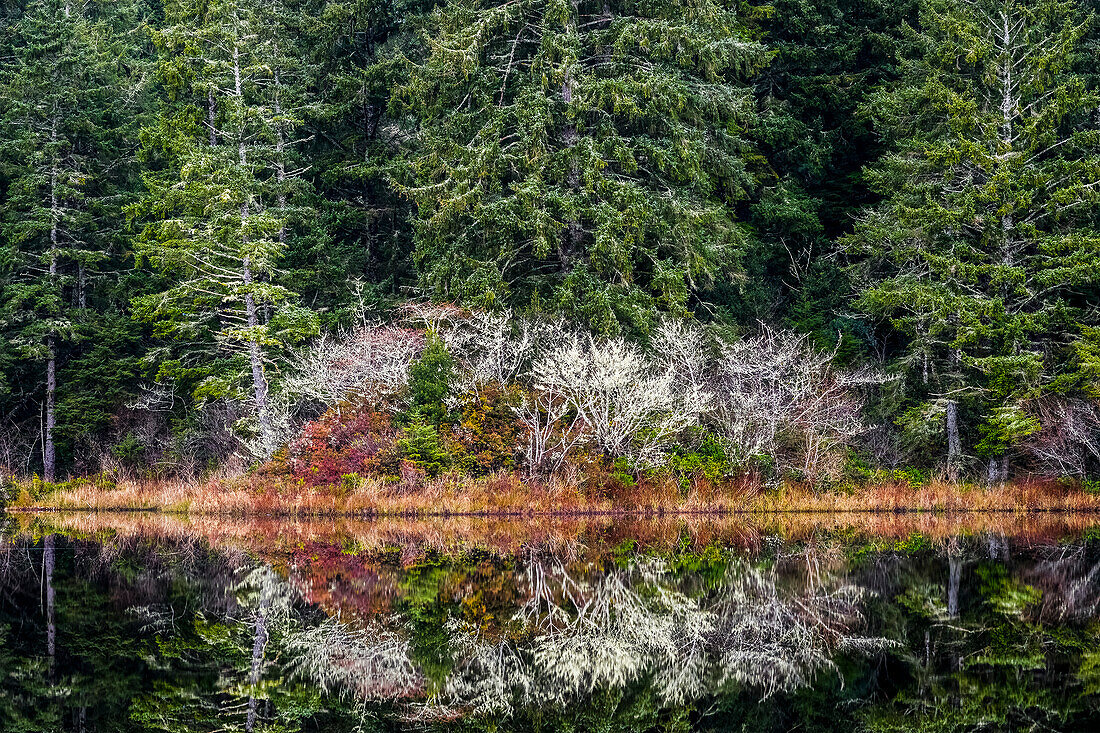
x=509 y=494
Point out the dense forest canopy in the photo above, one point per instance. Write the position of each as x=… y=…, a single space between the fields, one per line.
x=197 y=195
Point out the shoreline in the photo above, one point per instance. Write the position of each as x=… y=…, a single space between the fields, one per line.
x=508 y=497
x=509 y=494
x=508 y=535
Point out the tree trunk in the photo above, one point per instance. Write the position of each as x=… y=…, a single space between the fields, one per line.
x=255 y=354
x=49 y=450
x=211 y=107
x=255 y=358
x=953 y=581
x=48 y=563
x=997 y=470
x=259 y=643
x=574 y=231
x=954 y=449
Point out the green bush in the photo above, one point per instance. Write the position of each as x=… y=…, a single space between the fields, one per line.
x=430 y=379
x=421 y=446
x=129 y=450
x=707 y=460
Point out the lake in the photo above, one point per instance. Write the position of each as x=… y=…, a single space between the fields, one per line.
x=861 y=622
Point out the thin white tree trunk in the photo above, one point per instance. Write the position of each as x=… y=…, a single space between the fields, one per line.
x=49 y=450
x=259 y=643
x=954 y=578
x=255 y=354
x=954 y=449
x=48 y=563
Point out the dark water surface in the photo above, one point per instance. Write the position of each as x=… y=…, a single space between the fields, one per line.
x=859 y=623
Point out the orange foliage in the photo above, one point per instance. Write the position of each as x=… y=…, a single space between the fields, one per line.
x=488 y=437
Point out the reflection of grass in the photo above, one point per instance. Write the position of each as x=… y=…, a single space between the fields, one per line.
x=407 y=541
x=509 y=494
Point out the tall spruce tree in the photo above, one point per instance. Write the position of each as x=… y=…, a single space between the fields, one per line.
x=984 y=247
x=349 y=53
x=580 y=156
x=63 y=105
x=219 y=207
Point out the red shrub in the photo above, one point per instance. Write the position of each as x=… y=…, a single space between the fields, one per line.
x=345 y=440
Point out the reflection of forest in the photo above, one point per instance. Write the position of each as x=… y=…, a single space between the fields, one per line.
x=157 y=625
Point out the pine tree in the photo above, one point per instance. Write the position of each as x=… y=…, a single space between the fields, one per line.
x=349 y=49
x=62 y=101
x=580 y=156
x=219 y=210
x=984 y=243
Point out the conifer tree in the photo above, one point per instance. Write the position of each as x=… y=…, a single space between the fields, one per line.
x=580 y=156
x=219 y=210
x=984 y=245
x=62 y=100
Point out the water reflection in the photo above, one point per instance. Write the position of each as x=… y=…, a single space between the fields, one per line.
x=152 y=623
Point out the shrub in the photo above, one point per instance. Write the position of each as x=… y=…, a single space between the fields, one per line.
x=708 y=460
x=628 y=404
x=430 y=379
x=129 y=450
x=421 y=446
x=489 y=434
x=348 y=440
x=777 y=395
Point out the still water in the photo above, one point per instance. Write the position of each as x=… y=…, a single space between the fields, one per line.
x=859 y=623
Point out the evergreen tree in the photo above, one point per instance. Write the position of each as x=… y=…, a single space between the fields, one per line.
x=220 y=206
x=829 y=56
x=580 y=156
x=63 y=101
x=984 y=244
x=349 y=53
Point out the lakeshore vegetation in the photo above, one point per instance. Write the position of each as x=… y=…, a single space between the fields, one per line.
x=336 y=256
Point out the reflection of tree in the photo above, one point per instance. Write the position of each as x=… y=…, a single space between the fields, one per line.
x=226 y=669
x=373 y=663
x=579 y=635
x=1069 y=578
x=1010 y=649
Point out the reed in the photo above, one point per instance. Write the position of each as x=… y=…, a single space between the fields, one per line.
x=505 y=494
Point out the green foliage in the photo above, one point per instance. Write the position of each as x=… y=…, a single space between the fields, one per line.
x=129 y=450
x=421 y=445
x=980 y=253
x=580 y=158
x=707 y=460
x=847 y=168
x=430 y=380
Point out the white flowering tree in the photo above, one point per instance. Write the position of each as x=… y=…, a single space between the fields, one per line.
x=490 y=347
x=375 y=357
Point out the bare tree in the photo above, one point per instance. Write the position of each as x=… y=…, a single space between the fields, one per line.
x=1068 y=441
x=335 y=367
x=552 y=428
x=775 y=388
x=628 y=405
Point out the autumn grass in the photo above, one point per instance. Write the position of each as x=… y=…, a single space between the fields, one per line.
x=506 y=494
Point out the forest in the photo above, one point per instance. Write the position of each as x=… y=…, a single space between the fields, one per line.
x=818 y=241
